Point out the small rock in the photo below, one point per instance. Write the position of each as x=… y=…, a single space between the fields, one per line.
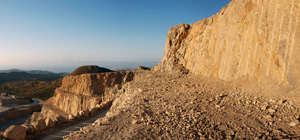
x=280 y=102
x=272 y=111
x=81 y=113
x=202 y=138
x=140 y=90
x=222 y=127
x=277 y=131
x=264 y=107
x=267 y=117
x=229 y=132
x=142 y=68
x=272 y=100
x=84 y=113
x=294 y=123
x=134 y=121
x=71 y=117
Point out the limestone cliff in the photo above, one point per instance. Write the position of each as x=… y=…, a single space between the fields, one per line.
x=248 y=39
x=82 y=93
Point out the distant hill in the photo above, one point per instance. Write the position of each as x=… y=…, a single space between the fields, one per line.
x=34 y=72
x=34 y=83
x=89 y=69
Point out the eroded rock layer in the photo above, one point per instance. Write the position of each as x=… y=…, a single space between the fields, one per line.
x=79 y=95
x=249 y=39
x=84 y=92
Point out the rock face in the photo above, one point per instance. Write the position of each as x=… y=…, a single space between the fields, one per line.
x=248 y=39
x=81 y=94
x=15 y=132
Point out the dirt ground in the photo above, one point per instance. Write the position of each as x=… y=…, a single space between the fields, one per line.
x=57 y=133
x=173 y=106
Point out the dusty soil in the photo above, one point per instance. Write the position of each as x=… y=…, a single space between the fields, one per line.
x=173 y=106
x=57 y=133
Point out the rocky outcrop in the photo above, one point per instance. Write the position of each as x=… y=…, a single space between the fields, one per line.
x=82 y=95
x=248 y=39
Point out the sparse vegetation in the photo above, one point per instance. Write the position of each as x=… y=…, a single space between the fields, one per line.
x=32 y=84
x=24 y=76
x=89 y=69
x=34 y=89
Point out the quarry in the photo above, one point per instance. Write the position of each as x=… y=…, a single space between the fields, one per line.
x=234 y=75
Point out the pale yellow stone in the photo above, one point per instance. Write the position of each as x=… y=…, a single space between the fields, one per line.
x=248 y=39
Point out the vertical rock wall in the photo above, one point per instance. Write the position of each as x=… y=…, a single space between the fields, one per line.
x=248 y=39
x=84 y=92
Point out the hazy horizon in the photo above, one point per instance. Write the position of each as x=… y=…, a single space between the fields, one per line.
x=72 y=66
x=59 y=34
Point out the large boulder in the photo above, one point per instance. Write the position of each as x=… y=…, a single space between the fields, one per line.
x=29 y=128
x=60 y=119
x=15 y=132
x=49 y=123
x=40 y=124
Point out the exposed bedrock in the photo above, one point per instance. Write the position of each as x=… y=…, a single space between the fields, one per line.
x=248 y=39
x=79 y=95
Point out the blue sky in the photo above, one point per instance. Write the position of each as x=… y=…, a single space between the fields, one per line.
x=40 y=34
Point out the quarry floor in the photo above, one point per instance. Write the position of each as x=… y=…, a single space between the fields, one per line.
x=19 y=120
x=58 y=133
x=9 y=106
x=173 y=106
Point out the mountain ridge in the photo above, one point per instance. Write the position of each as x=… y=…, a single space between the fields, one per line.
x=34 y=72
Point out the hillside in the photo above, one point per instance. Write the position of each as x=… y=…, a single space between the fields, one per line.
x=175 y=106
x=32 y=84
x=34 y=72
x=25 y=76
x=89 y=69
x=33 y=89
x=231 y=76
